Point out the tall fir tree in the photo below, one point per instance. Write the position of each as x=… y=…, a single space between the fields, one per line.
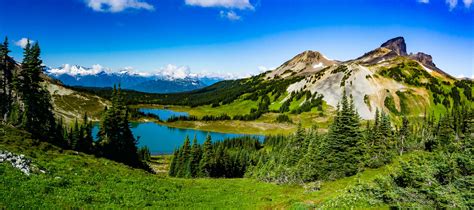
x=309 y=162
x=195 y=158
x=173 y=165
x=6 y=77
x=380 y=147
x=183 y=159
x=88 y=140
x=341 y=150
x=116 y=140
x=403 y=136
x=37 y=113
x=296 y=147
x=207 y=157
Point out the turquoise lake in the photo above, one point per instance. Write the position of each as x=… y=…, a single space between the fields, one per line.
x=164 y=114
x=162 y=139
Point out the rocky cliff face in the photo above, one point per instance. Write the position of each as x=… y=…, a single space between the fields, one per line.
x=397 y=45
x=427 y=61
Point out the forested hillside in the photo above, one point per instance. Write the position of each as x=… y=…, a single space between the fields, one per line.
x=27 y=105
x=436 y=173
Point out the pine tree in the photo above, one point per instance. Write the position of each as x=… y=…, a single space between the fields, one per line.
x=82 y=136
x=88 y=139
x=341 y=150
x=6 y=71
x=173 y=165
x=184 y=157
x=37 y=113
x=195 y=158
x=381 y=147
x=403 y=136
x=445 y=134
x=308 y=164
x=116 y=140
x=296 y=147
x=207 y=156
x=76 y=137
x=144 y=153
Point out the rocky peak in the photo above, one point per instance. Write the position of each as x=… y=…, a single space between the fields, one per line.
x=309 y=57
x=397 y=45
x=427 y=61
x=423 y=58
x=306 y=62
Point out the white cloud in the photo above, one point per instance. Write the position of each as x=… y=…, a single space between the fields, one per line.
x=74 y=70
x=22 y=42
x=452 y=4
x=237 y=4
x=262 y=69
x=467 y=3
x=174 y=72
x=170 y=72
x=424 y=1
x=461 y=76
x=231 y=15
x=118 y=5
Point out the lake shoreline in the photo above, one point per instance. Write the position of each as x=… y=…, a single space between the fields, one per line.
x=162 y=138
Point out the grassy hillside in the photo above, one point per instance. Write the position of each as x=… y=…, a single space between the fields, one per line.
x=70 y=104
x=77 y=180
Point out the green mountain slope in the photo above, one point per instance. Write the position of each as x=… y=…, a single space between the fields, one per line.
x=70 y=104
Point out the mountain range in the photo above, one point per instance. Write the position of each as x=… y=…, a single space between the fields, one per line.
x=309 y=87
x=97 y=76
x=387 y=79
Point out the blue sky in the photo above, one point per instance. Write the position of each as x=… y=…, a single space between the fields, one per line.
x=235 y=36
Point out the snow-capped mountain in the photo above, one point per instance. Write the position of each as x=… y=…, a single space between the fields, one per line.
x=166 y=80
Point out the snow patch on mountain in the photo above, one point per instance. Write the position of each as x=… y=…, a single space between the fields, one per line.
x=318 y=65
x=427 y=69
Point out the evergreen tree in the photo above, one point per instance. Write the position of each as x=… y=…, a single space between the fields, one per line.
x=296 y=147
x=144 y=153
x=37 y=113
x=403 y=135
x=341 y=150
x=308 y=165
x=88 y=140
x=6 y=77
x=81 y=136
x=207 y=156
x=195 y=158
x=173 y=165
x=445 y=134
x=115 y=137
x=75 y=136
x=380 y=141
x=183 y=159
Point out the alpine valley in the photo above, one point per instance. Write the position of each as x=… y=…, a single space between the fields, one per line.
x=387 y=129
x=307 y=89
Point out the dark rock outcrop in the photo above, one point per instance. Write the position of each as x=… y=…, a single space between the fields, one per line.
x=397 y=45
x=425 y=59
